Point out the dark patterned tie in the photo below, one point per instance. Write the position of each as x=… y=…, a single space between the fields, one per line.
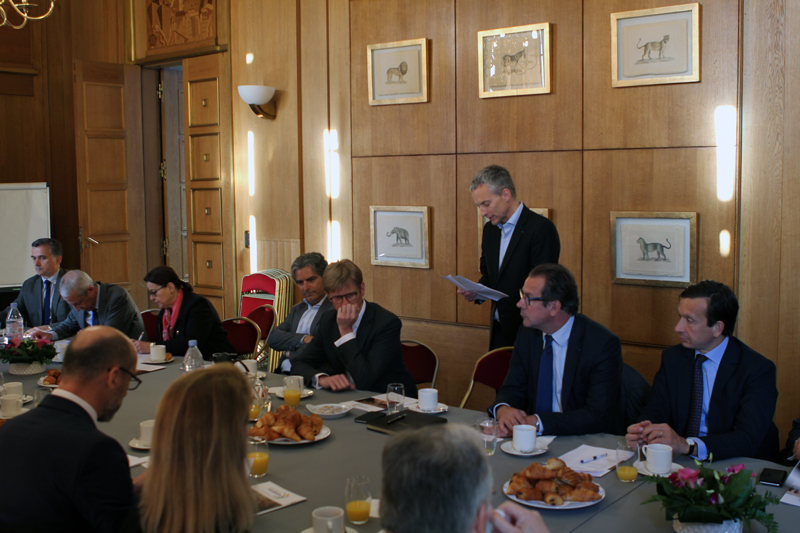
x=544 y=385
x=696 y=402
x=46 y=306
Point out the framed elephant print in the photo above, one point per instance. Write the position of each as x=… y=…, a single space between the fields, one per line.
x=398 y=72
x=400 y=236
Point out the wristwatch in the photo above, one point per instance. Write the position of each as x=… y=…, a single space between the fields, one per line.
x=692 y=446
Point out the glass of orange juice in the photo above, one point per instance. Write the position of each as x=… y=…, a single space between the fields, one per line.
x=292 y=388
x=626 y=451
x=358 y=499
x=257 y=456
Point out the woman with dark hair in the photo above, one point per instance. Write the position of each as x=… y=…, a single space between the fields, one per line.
x=184 y=316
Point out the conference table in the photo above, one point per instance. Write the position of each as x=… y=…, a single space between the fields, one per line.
x=317 y=471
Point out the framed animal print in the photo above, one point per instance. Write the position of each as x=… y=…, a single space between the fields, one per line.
x=658 y=249
x=655 y=46
x=398 y=72
x=514 y=61
x=400 y=236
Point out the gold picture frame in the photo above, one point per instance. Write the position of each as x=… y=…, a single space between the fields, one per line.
x=514 y=61
x=642 y=254
x=671 y=33
x=400 y=236
x=398 y=72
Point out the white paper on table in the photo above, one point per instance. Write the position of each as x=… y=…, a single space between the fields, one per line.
x=380 y=400
x=273 y=497
x=599 y=467
x=143 y=367
x=375 y=508
x=793 y=480
x=136 y=461
x=792 y=497
x=483 y=292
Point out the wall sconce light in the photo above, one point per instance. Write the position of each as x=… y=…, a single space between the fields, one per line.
x=259 y=98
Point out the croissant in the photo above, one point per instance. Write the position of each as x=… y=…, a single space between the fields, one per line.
x=563 y=489
x=529 y=494
x=551 y=498
x=547 y=485
x=568 y=476
x=315 y=421
x=584 y=476
x=554 y=463
x=537 y=471
x=588 y=485
x=306 y=431
x=517 y=482
x=582 y=495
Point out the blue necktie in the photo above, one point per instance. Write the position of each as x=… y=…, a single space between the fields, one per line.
x=46 y=306
x=544 y=386
x=696 y=402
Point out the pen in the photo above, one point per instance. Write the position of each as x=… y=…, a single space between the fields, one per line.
x=141 y=335
x=395 y=419
x=595 y=458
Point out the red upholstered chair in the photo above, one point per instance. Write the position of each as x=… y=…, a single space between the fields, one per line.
x=490 y=370
x=244 y=334
x=264 y=317
x=150 y=319
x=421 y=361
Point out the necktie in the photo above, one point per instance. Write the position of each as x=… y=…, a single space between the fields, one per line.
x=46 y=306
x=93 y=317
x=544 y=385
x=696 y=403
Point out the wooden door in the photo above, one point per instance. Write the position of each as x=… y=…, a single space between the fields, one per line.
x=174 y=171
x=108 y=147
x=209 y=184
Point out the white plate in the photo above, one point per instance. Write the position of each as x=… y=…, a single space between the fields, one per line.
x=279 y=392
x=508 y=447
x=136 y=444
x=324 y=433
x=347 y=529
x=9 y=417
x=642 y=469
x=41 y=379
x=261 y=374
x=27 y=398
x=337 y=410
x=149 y=362
x=567 y=505
x=440 y=408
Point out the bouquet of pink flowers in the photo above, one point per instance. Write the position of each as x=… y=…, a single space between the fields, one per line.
x=707 y=496
x=28 y=351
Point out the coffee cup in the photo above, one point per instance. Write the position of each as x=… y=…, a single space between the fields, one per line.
x=328 y=520
x=524 y=438
x=13 y=387
x=250 y=365
x=658 y=458
x=11 y=404
x=146 y=432
x=158 y=353
x=428 y=399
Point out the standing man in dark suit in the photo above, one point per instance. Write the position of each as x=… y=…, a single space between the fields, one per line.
x=94 y=304
x=565 y=371
x=39 y=301
x=61 y=473
x=300 y=326
x=712 y=394
x=357 y=345
x=515 y=240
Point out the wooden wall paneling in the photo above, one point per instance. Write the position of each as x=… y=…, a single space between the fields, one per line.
x=520 y=123
x=17 y=49
x=681 y=179
x=645 y=359
x=98 y=30
x=280 y=253
x=422 y=128
x=151 y=134
x=542 y=179
x=658 y=115
x=409 y=181
x=174 y=182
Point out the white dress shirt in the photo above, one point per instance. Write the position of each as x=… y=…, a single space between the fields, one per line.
x=710 y=368
x=61 y=393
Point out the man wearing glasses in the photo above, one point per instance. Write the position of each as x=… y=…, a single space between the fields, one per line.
x=357 y=345
x=75 y=476
x=565 y=371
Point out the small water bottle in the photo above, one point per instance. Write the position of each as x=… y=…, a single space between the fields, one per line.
x=193 y=360
x=15 y=326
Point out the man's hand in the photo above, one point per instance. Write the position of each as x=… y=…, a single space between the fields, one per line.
x=335 y=383
x=142 y=346
x=346 y=316
x=511 y=518
x=468 y=296
x=307 y=339
x=508 y=417
x=634 y=435
x=37 y=333
x=663 y=434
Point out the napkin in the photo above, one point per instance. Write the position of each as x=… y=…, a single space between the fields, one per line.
x=792 y=497
x=375 y=508
x=136 y=461
x=272 y=497
x=143 y=367
x=597 y=468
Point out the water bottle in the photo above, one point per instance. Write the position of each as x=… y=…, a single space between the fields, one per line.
x=193 y=360
x=15 y=326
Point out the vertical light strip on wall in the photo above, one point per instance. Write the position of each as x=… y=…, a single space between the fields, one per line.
x=330 y=141
x=724 y=243
x=248 y=58
x=725 y=131
x=251 y=163
x=334 y=242
x=253 y=246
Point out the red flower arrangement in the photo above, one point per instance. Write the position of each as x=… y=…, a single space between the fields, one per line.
x=28 y=351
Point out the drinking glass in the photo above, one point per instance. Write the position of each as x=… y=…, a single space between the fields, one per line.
x=292 y=390
x=626 y=472
x=358 y=499
x=257 y=456
x=487 y=427
x=39 y=395
x=2 y=381
x=395 y=397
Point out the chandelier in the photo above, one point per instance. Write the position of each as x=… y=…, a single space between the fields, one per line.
x=21 y=9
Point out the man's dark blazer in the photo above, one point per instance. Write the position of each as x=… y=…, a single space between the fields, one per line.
x=285 y=336
x=115 y=308
x=29 y=302
x=590 y=388
x=534 y=242
x=742 y=403
x=374 y=358
x=197 y=320
x=61 y=473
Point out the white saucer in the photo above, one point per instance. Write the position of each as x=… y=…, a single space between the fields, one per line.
x=508 y=447
x=27 y=398
x=347 y=529
x=136 y=444
x=279 y=392
x=149 y=361
x=642 y=469
x=7 y=417
x=440 y=408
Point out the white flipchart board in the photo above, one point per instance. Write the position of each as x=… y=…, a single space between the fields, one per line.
x=24 y=217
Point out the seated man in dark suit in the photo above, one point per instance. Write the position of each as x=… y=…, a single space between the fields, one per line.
x=94 y=304
x=300 y=326
x=357 y=345
x=712 y=394
x=39 y=301
x=791 y=454
x=565 y=371
x=60 y=472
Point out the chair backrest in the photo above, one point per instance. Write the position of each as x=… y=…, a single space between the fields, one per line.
x=264 y=317
x=150 y=319
x=635 y=390
x=490 y=370
x=421 y=361
x=243 y=333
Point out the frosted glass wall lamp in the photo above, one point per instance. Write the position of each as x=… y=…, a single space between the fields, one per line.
x=259 y=98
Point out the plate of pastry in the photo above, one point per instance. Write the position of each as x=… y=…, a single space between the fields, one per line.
x=287 y=426
x=553 y=485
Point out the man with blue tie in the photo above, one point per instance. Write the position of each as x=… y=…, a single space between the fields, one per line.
x=713 y=395
x=39 y=301
x=565 y=371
